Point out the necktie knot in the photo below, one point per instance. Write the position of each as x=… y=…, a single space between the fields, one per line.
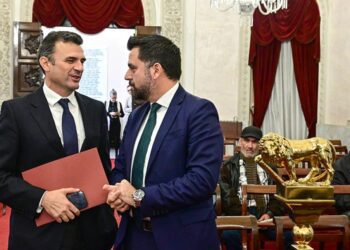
x=154 y=108
x=64 y=103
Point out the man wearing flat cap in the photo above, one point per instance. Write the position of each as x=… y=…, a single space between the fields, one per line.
x=242 y=169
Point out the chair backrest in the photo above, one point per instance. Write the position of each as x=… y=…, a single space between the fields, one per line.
x=341 y=189
x=340 y=151
x=231 y=131
x=300 y=172
x=248 y=222
x=336 y=142
x=254 y=189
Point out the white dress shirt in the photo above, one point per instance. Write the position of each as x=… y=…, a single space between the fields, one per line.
x=57 y=112
x=164 y=101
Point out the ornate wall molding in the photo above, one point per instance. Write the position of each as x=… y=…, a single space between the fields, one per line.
x=322 y=77
x=5 y=50
x=26 y=10
x=245 y=82
x=173 y=21
x=150 y=12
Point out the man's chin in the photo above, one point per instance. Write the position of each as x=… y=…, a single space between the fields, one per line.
x=249 y=155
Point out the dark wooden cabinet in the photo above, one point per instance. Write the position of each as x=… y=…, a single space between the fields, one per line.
x=27 y=75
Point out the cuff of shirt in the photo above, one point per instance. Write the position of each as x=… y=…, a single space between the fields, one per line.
x=40 y=208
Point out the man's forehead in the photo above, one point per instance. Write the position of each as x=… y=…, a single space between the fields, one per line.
x=252 y=139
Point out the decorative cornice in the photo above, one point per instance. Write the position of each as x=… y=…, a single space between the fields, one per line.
x=5 y=55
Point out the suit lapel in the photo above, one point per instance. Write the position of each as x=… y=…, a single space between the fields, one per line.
x=41 y=113
x=86 y=116
x=169 y=118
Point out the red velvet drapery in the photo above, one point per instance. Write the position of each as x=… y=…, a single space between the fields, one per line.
x=300 y=23
x=89 y=16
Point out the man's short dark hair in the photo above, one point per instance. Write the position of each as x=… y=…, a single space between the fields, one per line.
x=158 y=49
x=47 y=47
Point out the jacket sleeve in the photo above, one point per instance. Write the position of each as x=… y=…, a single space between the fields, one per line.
x=231 y=204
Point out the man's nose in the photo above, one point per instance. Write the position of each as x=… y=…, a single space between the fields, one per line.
x=128 y=75
x=79 y=66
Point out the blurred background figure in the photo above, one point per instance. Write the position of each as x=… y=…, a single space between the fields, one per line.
x=128 y=104
x=114 y=112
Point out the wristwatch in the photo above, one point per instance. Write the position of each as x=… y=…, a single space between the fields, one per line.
x=138 y=196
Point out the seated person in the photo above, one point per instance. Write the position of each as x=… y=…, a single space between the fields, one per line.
x=342 y=177
x=242 y=169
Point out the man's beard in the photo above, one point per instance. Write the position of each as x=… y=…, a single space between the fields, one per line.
x=142 y=93
x=249 y=154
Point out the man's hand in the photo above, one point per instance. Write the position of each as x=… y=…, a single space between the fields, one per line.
x=264 y=217
x=120 y=195
x=57 y=205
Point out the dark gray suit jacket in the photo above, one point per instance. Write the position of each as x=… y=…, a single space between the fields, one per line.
x=29 y=138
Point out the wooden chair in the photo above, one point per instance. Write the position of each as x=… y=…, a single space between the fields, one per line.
x=231 y=131
x=254 y=189
x=340 y=151
x=334 y=228
x=244 y=223
x=336 y=142
x=300 y=172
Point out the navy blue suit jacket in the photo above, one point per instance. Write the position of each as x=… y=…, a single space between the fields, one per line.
x=29 y=138
x=182 y=173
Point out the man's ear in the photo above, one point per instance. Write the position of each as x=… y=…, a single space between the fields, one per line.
x=156 y=70
x=44 y=62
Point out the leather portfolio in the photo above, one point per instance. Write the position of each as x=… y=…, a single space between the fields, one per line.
x=83 y=170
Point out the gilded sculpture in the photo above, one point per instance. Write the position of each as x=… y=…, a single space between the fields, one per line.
x=320 y=153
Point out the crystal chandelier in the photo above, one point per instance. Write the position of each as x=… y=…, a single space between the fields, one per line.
x=247 y=6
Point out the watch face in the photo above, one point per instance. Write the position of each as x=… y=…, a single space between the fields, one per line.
x=139 y=194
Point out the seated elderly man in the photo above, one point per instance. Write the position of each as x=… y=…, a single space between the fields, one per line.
x=241 y=169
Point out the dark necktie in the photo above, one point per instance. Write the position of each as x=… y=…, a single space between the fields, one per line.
x=139 y=160
x=70 y=137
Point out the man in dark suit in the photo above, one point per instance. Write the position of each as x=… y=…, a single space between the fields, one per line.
x=164 y=186
x=32 y=133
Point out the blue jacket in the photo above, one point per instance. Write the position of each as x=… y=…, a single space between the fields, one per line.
x=182 y=173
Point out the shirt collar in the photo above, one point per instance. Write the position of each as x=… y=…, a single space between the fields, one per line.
x=52 y=97
x=165 y=99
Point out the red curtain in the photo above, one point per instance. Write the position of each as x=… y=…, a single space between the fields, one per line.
x=89 y=16
x=300 y=23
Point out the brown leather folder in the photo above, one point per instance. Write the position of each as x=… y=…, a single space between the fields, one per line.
x=83 y=170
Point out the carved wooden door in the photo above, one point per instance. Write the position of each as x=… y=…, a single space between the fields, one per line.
x=27 y=75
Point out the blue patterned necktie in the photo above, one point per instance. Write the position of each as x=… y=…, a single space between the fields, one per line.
x=70 y=137
x=142 y=147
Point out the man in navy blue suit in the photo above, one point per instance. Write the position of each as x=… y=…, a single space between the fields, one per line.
x=165 y=193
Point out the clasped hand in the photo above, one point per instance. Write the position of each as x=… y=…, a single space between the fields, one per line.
x=120 y=195
x=57 y=205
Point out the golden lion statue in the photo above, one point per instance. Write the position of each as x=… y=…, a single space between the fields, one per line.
x=320 y=153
